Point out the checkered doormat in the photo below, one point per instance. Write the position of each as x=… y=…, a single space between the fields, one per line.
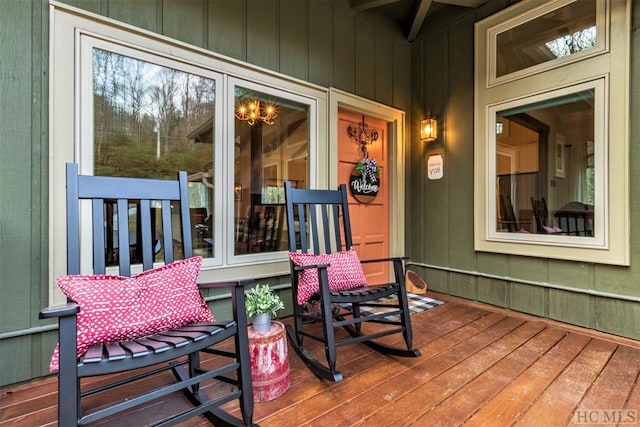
x=417 y=303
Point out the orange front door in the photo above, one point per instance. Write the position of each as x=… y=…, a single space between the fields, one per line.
x=369 y=221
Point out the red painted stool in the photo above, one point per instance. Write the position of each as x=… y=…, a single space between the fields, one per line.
x=269 y=362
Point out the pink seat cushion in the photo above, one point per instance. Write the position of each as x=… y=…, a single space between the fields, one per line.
x=116 y=308
x=344 y=271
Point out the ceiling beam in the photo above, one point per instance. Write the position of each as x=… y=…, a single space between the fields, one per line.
x=418 y=19
x=362 y=5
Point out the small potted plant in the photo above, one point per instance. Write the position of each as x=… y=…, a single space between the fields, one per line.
x=262 y=303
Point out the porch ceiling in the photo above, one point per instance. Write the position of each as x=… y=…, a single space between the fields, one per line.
x=409 y=14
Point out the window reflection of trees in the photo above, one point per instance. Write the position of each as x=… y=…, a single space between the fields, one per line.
x=146 y=122
x=144 y=114
x=573 y=43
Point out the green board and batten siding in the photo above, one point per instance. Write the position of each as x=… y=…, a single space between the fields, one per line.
x=326 y=43
x=320 y=41
x=23 y=174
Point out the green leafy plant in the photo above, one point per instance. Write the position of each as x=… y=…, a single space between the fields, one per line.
x=262 y=299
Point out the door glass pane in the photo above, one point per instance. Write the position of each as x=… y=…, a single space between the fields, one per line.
x=152 y=121
x=564 y=31
x=545 y=168
x=271 y=146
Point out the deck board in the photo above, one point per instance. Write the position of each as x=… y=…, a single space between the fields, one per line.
x=613 y=386
x=461 y=405
x=480 y=366
x=513 y=400
x=450 y=372
x=567 y=391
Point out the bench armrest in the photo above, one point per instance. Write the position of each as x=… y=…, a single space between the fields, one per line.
x=62 y=310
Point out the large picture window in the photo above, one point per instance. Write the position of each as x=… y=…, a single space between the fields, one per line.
x=153 y=117
x=545 y=166
x=133 y=103
x=551 y=146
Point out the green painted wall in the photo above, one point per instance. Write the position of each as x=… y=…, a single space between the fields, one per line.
x=440 y=223
x=23 y=176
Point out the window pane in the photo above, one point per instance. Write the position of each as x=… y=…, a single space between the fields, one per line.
x=271 y=146
x=564 y=31
x=545 y=175
x=152 y=121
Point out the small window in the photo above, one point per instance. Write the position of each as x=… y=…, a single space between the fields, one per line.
x=553 y=34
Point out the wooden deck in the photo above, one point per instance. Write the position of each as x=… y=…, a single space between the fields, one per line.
x=481 y=366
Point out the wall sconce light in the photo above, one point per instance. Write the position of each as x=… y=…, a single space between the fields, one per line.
x=429 y=130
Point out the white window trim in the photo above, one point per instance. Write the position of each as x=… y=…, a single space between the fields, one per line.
x=612 y=62
x=68 y=27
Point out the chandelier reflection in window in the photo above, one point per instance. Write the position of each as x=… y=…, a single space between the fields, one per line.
x=253 y=112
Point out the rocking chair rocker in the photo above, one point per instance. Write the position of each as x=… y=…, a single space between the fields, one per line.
x=324 y=266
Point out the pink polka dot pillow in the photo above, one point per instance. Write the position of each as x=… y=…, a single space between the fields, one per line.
x=344 y=271
x=116 y=308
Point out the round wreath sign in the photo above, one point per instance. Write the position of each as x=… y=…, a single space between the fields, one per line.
x=365 y=180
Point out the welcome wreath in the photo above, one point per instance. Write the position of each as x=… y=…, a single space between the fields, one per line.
x=365 y=180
